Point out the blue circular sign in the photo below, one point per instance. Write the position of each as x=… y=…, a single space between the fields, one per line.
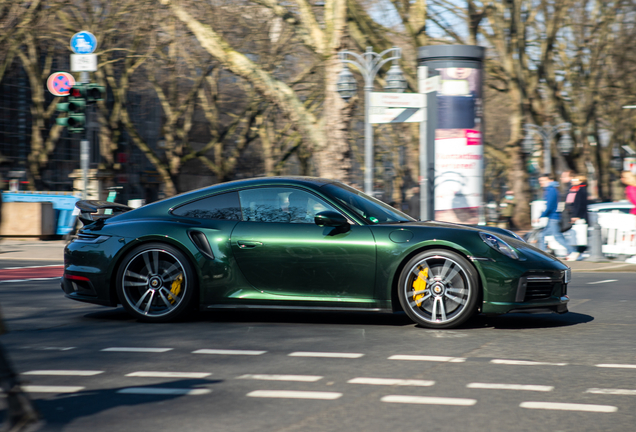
x=83 y=42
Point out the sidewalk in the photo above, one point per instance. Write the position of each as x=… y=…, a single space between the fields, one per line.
x=52 y=251
x=16 y=250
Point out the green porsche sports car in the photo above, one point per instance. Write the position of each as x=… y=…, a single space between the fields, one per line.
x=306 y=244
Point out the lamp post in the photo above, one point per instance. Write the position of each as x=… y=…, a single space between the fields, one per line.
x=369 y=64
x=547 y=133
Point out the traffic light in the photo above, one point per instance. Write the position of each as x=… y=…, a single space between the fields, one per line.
x=94 y=92
x=75 y=107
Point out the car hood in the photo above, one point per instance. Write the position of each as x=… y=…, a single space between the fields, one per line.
x=528 y=251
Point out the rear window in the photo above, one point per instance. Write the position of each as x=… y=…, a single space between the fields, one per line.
x=224 y=206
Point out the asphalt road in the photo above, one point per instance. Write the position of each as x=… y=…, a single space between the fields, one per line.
x=90 y=368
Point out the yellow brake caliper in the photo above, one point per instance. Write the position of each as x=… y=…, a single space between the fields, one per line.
x=175 y=289
x=419 y=286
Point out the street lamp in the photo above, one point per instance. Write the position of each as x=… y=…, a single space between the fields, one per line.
x=369 y=64
x=547 y=133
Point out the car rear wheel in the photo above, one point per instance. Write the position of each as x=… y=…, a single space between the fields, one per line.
x=438 y=289
x=155 y=283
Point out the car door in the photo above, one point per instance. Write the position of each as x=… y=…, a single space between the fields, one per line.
x=280 y=250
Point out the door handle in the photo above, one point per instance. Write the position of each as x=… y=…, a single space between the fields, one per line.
x=248 y=244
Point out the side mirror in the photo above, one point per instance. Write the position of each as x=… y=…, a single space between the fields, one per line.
x=330 y=218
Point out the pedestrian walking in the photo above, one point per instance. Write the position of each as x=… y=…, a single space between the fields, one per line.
x=576 y=204
x=507 y=209
x=629 y=180
x=553 y=227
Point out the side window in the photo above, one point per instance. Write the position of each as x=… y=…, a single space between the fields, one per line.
x=223 y=206
x=286 y=205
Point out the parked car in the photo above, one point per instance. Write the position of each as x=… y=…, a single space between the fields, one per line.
x=611 y=207
x=307 y=244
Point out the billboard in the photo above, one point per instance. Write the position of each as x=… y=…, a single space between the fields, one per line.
x=459 y=149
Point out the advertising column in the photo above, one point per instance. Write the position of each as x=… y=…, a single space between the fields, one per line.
x=456 y=159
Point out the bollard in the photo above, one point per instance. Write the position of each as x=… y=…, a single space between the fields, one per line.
x=596 y=241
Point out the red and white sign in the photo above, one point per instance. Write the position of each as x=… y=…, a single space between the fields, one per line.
x=60 y=83
x=473 y=137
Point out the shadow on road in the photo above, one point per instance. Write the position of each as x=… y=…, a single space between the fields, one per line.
x=282 y=317
x=528 y=321
x=62 y=410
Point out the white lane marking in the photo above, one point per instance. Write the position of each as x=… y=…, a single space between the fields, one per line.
x=569 y=407
x=150 y=374
x=391 y=381
x=64 y=372
x=525 y=363
x=29 y=267
x=425 y=400
x=228 y=352
x=494 y=386
x=288 y=394
x=266 y=377
x=625 y=392
x=137 y=349
x=47 y=348
x=428 y=358
x=51 y=389
x=30 y=280
x=164 y=391
x=623 y=366
x=603 y=281
x=325 y=354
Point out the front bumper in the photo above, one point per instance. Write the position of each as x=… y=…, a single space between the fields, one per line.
x=534 y=291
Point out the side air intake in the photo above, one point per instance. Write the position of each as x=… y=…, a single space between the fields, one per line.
x=201 y=242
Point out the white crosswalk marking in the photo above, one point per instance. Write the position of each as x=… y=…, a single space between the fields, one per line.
x=494 y=386
x=618 y=366
x=64 y=372
x=150 y=374
x=569 y=407
x=228 y=352
x=137 y=349
x=265 y=377
x=51 y=389
x=164 y=391
x=325 y=354
x=391 y=381
x=287 y=394
x=525 y=363
x=425 y=400
x=625 y=392
x=428 y=358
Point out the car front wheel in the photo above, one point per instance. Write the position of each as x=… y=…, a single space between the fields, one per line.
x=155 y=283
x=439 y=289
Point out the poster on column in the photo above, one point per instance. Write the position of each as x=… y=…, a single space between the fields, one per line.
x=458 y=146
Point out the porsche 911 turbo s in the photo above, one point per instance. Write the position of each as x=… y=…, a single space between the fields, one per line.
x=302 y=243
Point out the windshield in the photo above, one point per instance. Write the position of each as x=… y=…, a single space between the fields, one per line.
x=370 y=209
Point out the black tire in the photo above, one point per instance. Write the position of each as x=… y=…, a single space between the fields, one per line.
x=448 y=289
x=156 y=283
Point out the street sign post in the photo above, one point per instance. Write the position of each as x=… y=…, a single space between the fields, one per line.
x=83 y=42
x=60 y=83
x=396 y=107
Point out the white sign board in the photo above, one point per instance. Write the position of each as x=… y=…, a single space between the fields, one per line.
x=83 y=62
x=396 y=115
x=431 y=84
x=397 y=100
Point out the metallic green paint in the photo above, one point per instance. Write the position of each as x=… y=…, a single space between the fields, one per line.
x=301 y=265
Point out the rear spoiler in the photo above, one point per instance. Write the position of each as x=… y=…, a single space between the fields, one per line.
x=88 y=207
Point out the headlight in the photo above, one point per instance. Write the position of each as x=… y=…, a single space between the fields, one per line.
x=499 y=245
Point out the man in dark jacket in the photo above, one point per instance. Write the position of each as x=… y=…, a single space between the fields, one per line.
x=553 y=228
